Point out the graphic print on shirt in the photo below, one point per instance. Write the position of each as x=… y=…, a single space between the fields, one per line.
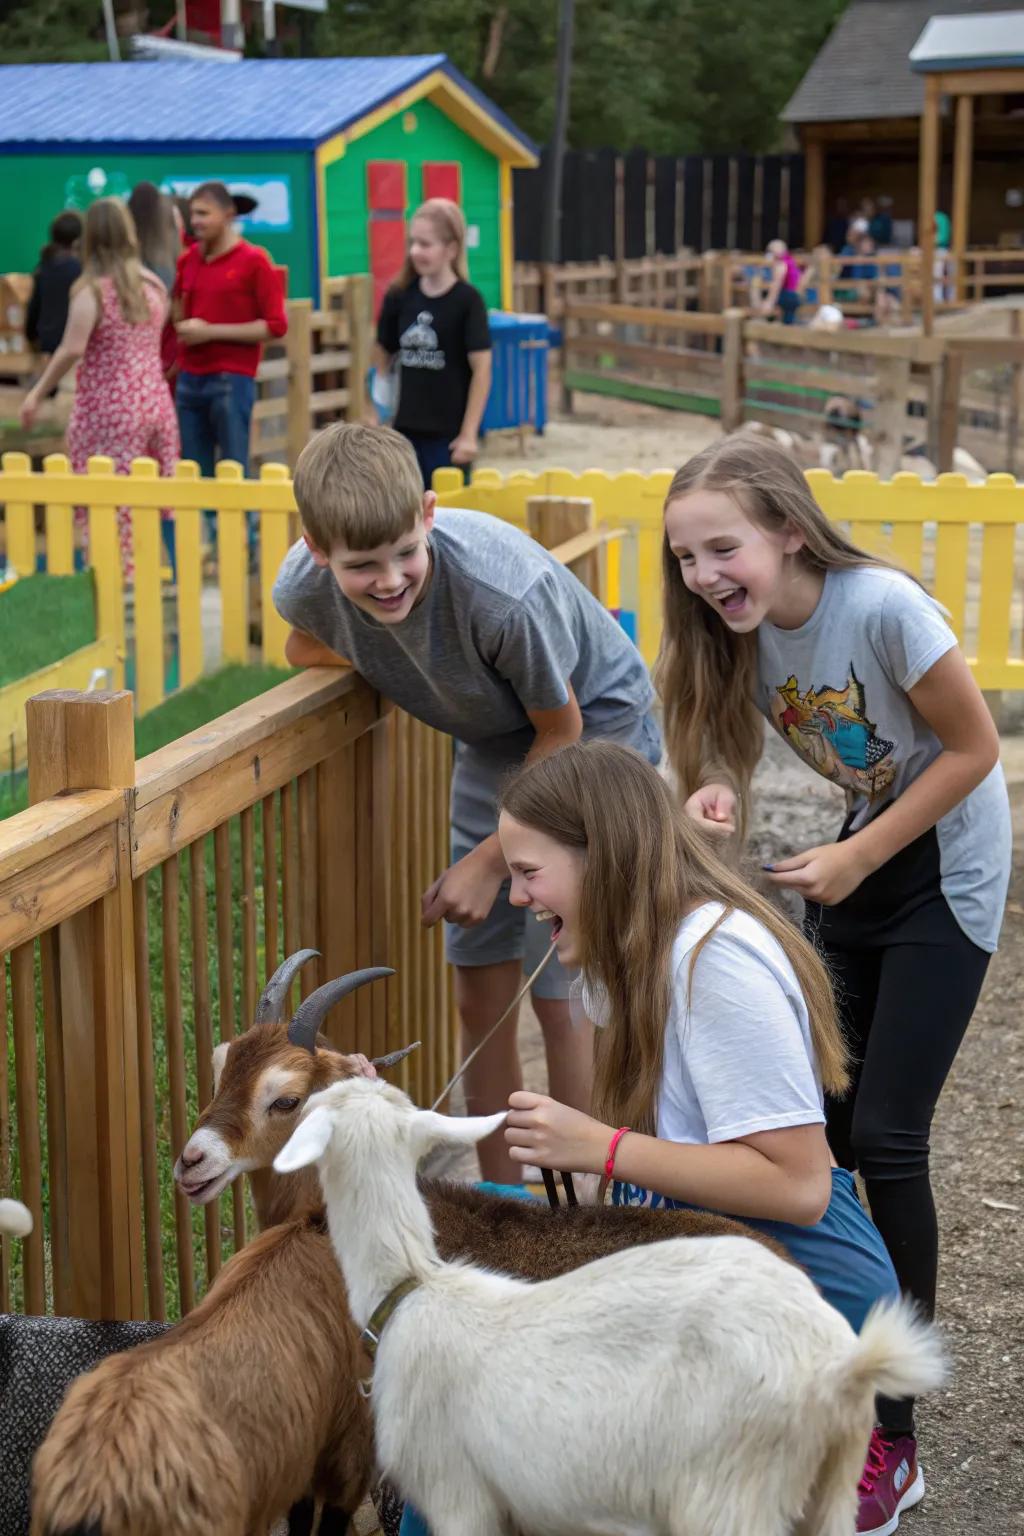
x=418 y=344
x=830 y=729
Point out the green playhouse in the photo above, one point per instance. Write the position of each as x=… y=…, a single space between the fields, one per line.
x=336 y=152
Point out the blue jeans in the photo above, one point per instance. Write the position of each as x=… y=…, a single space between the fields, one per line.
x=214 y=412
x=433 y=453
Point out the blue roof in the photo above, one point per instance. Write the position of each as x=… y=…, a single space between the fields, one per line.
x=254 y=103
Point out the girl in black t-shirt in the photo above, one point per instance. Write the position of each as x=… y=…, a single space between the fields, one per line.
x=433 y=329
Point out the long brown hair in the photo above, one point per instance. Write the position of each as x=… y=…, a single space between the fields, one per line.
x=707 y=675
x=646 y=864
x=449 y=225
x=155 y=230
x=110 y=249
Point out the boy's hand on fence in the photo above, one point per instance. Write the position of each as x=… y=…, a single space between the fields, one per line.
x=464 y=448
x=465 y=893
x=715 y=806
x=552 y=1135
x=827 y=874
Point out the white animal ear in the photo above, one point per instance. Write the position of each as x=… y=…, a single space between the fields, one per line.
x=220 y=1056
x=430 y=1128
x=307 y=1143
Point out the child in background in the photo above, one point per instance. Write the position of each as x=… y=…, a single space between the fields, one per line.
x=717 y=1021
x=52 y=281
x=770 y=611
x=434 y=322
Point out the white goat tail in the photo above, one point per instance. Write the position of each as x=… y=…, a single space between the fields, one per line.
x=898 y=1353
x=15 y=1219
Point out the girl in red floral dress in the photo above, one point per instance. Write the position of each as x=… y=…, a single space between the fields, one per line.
x=122 y=405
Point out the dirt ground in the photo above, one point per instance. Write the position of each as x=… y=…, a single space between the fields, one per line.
x=604 y=434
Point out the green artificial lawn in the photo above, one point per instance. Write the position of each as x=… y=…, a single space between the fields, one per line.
x=42 y=619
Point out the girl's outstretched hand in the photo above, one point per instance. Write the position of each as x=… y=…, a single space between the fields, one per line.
x=542 y=1131
x=715 y=806
x=827 y=874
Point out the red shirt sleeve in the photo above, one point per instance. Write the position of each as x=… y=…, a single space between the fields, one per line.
x=270 y=297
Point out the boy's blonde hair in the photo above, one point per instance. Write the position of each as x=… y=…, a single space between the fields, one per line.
x=358 y=486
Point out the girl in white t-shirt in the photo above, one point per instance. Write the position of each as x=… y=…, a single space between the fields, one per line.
x=719 y=1024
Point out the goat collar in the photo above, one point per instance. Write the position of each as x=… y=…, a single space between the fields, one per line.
x=370 y=1336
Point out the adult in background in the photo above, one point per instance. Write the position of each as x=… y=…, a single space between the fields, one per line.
x=434 y=323
x=58 y=270
x=117 y=311
x=228 y=300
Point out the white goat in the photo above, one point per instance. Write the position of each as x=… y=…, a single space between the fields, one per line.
x=15 y=1219
x=693 y=1388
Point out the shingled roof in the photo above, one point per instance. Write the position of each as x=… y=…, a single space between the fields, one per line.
x=862 y=69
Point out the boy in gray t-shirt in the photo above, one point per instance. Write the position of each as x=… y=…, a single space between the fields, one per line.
x=473 y=628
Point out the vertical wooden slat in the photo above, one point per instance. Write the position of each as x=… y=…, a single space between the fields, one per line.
x=341 y=887
x=5 y=1134
x=445 y=1063
x=363 y=875
x=59 y=523
x=171 y=886
x=271 y=925
x=56 y=1123
x=226 y=983
x=996 y=594
x=400 y=1019
x=418 y=859
x=157 y=1302
x=907 y=546
x=26 y=1087
x=290 y=869
x=309 y=930
x=149 y=622
x=273 y=548
x=383 y=945
x=188 y=550
x=435 y=866
x=20 y=520
x=231 y=558
x=203 y=1026
x=249 y=985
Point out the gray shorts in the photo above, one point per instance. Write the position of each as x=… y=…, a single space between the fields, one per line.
x=511 y=933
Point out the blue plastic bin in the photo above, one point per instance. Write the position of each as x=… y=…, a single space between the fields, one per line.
x=519 y=372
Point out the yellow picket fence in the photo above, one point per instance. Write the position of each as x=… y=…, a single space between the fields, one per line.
x=961 y=540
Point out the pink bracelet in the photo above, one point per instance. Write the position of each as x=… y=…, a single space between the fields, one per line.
x=609 y=1162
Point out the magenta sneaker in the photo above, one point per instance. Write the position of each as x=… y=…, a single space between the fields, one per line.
x=891 y=1483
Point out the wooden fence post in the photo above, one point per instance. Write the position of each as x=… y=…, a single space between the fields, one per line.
x=732 y=371
x=300 y=384
x=80 y=741
x=359 y=304
x=1014 y=413
x=890 y=414
x=553 y=520
x=949 y=410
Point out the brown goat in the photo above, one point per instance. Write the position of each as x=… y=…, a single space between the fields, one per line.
x=224 y=1423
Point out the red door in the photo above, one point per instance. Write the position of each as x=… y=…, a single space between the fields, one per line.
x=386 y=200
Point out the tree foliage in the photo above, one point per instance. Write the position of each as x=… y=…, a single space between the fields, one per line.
x=672 y=76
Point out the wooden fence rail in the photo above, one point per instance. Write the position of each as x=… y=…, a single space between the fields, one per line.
x=141 y=904
x=715 y=281
x=931 y=393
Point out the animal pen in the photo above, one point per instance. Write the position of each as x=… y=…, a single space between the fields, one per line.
x=141 y=903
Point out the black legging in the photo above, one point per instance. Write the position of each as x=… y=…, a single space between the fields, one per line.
x=907 y=980
x=905 y=1009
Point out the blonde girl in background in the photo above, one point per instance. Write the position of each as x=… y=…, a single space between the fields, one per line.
x=433 y=333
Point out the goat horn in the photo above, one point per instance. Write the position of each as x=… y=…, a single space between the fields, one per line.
x=275 y=994
x=394 y=1057
x=309 y=1016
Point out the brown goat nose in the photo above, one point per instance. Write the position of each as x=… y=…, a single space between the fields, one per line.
x=191 y=1160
